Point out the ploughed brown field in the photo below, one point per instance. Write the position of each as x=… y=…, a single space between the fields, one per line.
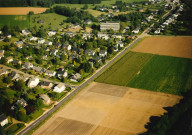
x=20 y=10
x=104 y=109
x=171 y=46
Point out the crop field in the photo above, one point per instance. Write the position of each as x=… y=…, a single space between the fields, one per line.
x=171 y=46
x=104 y=109
x=50 y=20
x=152 y=72
x=164 y=74
x=124 y=69
x=20 y=10
x=13 y=20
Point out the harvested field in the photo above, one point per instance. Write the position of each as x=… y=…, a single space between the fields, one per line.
x=171 y=46
x=96 y=112
x=20 y=10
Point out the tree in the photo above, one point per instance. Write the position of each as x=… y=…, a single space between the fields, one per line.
x=31 y=13
x=38 y=103
x=3 y=60
x=7 y=80
x=21 y=114
x=5 y=29
x=19 y=85
x=2 y=131
x=86 y=67
x=85 y=6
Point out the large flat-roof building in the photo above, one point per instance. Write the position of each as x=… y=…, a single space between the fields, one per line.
x=109 y=25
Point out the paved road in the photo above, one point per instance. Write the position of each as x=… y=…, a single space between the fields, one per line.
x=86 y=82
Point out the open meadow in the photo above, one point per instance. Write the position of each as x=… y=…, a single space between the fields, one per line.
x=20 y=10
x=153 y=72
x=171 y=46
x=51 y=20
x=104 y=109
x=14 y=20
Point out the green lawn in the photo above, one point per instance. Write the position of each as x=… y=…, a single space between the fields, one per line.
x=13 y=20
x=124 y=69
x=152 y=72
x=51 y=20
x=164 y=74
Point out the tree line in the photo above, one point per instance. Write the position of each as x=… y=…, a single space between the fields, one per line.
x=43 y=3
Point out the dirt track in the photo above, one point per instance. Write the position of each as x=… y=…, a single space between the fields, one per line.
x=171 y=46
x=103 y=109
x=20 y=10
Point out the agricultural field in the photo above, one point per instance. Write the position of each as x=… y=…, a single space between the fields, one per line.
x=152 y=72
x=51 y=20
x=171 y=46
x=124 y=69
x=104 y=109
x=20 y=10
x=164 y=74
x=14 y=20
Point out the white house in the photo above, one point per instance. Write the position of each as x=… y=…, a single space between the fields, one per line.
x=50 y=73
x=54 y=52
x=48 y=43
x=87 y=21
x=33 y=82
x=136 y=30
x=86 y=35
x=9 y=36
x=67 y=47
x=75 y=77
x=59 y=88
x=3 y=120
x=90 y=52
x=45 y=98
x=41 y=41
x=52 y=33
x=32 y=39
x=61 y=74
x=27 y=65
x=157 y=31
x=120 y=44
x=118 y=36
x=102 y=53
x=103 y=35
x=26 y=32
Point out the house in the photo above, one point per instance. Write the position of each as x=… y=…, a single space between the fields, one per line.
x=41 y=21
x=103 y=9
x=69 y=33
x=48 y=43
x=114 y=6
x=21 y=102
x=27 y=65
x=75 y=26
x=119 y=36
x=41 y=41
x=3 y=120
x=25 y=32
x=19 y=44
x=66 y=46
x=59 y=88
x=44 y=57
x=103 y=53
x=3 y=71
x=50 y=73
x=2 y=52
x=103 y=35
x=158 y=31
x=120 y=44
x=9 y=36
x=101 y=18
x=75 y=77
x=14 y=75
x=87 y=22
x=111 y=15
x=76 y=50
x=61 y=74
x=23 y=77
x=38 y=69
x=1 y=56
x=116 y=10
x=86 y=35
x=46 y=85
x=109 y=25
x=9 y=59
x=54 y=52
x=45 y=98
x=73 y=57
x=52 y=33
x=97 y=59
x=136 y=31
x=33 y=82
x=32 y=39
x=16 y=62
x=89 y=52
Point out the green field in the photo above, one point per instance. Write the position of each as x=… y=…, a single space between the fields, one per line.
x=164 y=74
x=13 y=20
x=51 y=20
x=152 y=72
x=124 y=69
